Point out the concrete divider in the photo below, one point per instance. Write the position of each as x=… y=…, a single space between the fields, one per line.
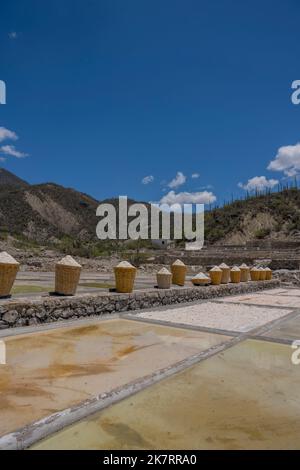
x=21 y=311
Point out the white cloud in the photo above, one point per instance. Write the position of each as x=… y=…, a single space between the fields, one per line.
x=203 y=197
x=258 y=183
x=13 y=34
x=179 y=180
x=12 y=151
x=287 y=160
x=148 y=179
x=6 y=134
x=195 y=175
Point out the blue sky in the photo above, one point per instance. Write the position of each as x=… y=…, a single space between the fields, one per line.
x=104 y=93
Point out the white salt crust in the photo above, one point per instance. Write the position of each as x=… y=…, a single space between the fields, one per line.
x=178 y=262
x=125 y=264
x=69 y=261
x=238 y=318
x=164 y=271
x=6 y=258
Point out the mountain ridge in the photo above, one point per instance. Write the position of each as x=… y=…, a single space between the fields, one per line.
x=49 y=213
x=10 y=179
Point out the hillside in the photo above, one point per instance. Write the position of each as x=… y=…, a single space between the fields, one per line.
x=269 y=216
x=46 y=212
x=52 y=215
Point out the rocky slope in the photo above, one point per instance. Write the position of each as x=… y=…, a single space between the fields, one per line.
x=52 y=215
x=46 y=212
x=274 y=216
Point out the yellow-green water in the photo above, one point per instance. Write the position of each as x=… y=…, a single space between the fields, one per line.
x=48 y=371
x=245 y=398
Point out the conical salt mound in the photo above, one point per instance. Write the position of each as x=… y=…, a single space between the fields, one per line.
x=69 y=261
x=178 y=262
x=8 y=272
x=6 y=258
x=201 y=276
x=124 y=264
x=215 y=269
x=163 y=271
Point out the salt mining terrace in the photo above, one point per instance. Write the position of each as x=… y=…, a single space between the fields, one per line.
x=32 y=304
x=143 y=382
x=245 y=397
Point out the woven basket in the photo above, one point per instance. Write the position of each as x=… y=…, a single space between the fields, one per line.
x=235 y=276
x=225 y=274
x=164 y=280
x=8 y=273
x=200 y=282
x=66 y=279
x=215 y=277
x=125 y=279
x=254 y=274
x=178 y=274
x=268 y=274
x=262 y=275
x=244 y=274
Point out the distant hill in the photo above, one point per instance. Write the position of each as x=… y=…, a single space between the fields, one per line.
x=51 y=214
x=269 y=216
x=47 y=212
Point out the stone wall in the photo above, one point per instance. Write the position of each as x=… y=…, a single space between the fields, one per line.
x=23 y=312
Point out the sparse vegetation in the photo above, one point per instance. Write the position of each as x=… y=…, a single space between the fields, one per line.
x=262 y=233
x=283 y=206
x=52 y=216
x=29 y=289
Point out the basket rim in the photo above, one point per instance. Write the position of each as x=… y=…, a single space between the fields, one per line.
x=125 y=268
x=9 y=264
